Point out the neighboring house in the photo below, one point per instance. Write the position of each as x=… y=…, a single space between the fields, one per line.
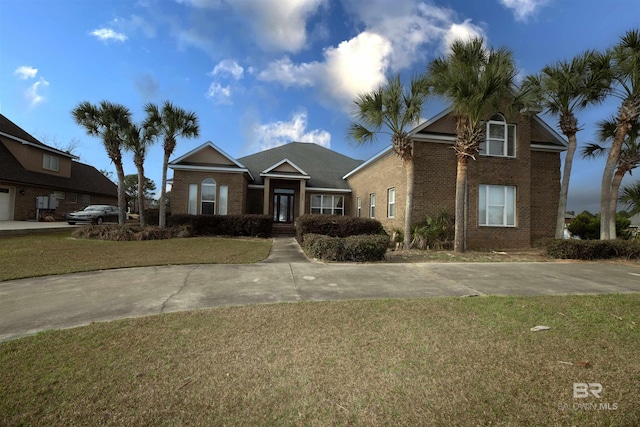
x=29 y=169
x=512 y=190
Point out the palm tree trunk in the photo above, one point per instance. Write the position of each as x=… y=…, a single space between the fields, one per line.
x=122 y=197
x=141 y=195
x=408 y=165
x=461 y=180
x=613 y=202
x=564 y=187
x=162 y=220
x=607 y=181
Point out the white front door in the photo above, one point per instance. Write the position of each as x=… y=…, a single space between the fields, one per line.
x=6 y=213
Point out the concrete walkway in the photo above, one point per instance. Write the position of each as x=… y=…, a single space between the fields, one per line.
x=28 y=306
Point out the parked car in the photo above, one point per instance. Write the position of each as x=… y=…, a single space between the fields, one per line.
x=95 y=214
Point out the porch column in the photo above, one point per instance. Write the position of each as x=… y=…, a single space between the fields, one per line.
x=303 y=187
x=266 y=198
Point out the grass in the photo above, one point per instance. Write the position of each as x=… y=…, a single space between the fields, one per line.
x=58 y=253
x=438 y=361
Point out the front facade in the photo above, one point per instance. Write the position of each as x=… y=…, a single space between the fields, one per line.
x=512 y=190
x=37 y=180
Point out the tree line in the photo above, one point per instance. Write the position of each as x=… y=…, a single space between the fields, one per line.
x=477 y=81
x=112 y=123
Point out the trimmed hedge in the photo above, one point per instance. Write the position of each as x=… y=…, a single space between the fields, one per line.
x=336 y=226
x=152 y=216
x=224 y=225
x=361 y=248
x=591 y=249
x=125 y=233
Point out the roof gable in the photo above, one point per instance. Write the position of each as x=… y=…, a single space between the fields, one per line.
x=11 y=130
x=207 y=154
x=323 y=167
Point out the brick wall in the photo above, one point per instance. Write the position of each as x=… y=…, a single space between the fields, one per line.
x=25 y=204
x=236 y=183
x=545 y=194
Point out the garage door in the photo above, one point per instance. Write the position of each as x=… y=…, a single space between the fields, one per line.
x=5 y=204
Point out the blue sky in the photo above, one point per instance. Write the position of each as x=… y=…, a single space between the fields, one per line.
x=261 y=73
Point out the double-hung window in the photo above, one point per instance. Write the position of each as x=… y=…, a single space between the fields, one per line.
x=497 y=205
x=391 y=202
x=49 y=162
x=208 y=196
x=372 y=205
x=359 y=206
x=327 y=204
x=500 y=138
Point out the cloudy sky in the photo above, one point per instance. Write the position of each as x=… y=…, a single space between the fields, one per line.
x=261 y=73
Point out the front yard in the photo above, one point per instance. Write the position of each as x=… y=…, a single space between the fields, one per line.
x=437 y=361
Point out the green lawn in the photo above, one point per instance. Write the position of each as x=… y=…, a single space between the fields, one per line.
x=58 y=253
x=437 y=361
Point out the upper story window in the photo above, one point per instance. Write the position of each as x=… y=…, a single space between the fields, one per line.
x=49 y=162
x=500 y=138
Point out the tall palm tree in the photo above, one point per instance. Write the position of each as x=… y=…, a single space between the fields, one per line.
x=625 y=72
x=392 y=109
x=169 y=122
x=137 y=141
x=628 y=161
x=563 y=89
x=108 y=121
x=475 y=80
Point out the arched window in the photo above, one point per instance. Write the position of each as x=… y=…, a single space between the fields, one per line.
x=208 y=196
x=500 y=138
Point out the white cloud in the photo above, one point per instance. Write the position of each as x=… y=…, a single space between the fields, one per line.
x=107 y=34
x=228 y=67
x=355 y=66
x=32 y=94
x=270 y=135
x=522 y=9
x=219 y=94
x=465 y=31
x=25 y=72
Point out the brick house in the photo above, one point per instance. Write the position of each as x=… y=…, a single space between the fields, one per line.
x=513 y=185
x=29 y=169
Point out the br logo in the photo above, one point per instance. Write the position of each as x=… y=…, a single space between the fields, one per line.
x=583 y=390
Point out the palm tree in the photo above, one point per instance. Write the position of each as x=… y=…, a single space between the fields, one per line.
x=169 y=122
x=625 y=72
x=630 y=197
x=564 y=88
x=476 y=80
x=396 y=110
x=137 y=141
x=108 y=121
x=629 y=160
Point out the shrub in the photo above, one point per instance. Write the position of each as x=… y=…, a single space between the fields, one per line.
x=587 y=226
x=126 y=233
x=591 y=249
x=336 y=226
x=361 y=248
x=225 y=225
x=152 y=216
x=434 y=233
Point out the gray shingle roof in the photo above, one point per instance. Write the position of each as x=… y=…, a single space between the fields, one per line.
x=325 y=167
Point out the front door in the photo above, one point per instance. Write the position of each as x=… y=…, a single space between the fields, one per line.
x=283 y=205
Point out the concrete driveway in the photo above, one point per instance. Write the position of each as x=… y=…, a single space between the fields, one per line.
x=28 y=306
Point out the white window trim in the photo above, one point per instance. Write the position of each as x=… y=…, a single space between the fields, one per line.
x=391 y=203
x=504 y=224
x=203 y=200
x=359 y=207
x=509 y=129
x=372 y=205
x=322 y=198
